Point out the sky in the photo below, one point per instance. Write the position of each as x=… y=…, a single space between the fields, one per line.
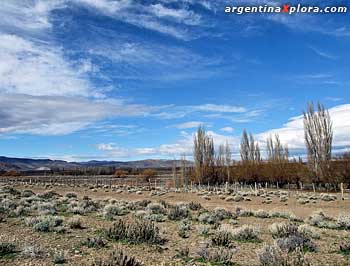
x=127 y=80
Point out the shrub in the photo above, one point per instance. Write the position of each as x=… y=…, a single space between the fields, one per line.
x=71 y=195
x=95 y=242
x=319 y=219
x=194 y=206
x=222 y=214
x=10 y=190
x=308 y=231
x=343 y=221
x=44 y=223
x=216 y=255
x=344 y=247
x=117 y=258
x=244 y=212
x=49 y=195
x=203 y=230
x=261 y=214
x=290 y=236
x=303 y=201
x=178 y=212
x=156 y=208
x=7 y=249
x=222 y=237
x=7 y=204
x=155 y=217
x=20 y=211
x=59 y=257
x=208 y=218
x=270 y=255
x=32 y=251
x=279 y=230
x=328 y=197
x=75 y=223
x=184 y=227
x=135 y=232
x=293 y=242
x=246 y=233
x=46 y=208
x=111 y=210
x=118 y=231
x=27 y=193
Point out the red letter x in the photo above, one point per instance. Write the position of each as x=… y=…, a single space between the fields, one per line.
x=285 y=8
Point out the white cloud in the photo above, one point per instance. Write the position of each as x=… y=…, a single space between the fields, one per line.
x=28 y=15
x=323 y=54
x=219 y=108
x=311 y=23
x=37 y=69
x=184 y=145
x=52 y=115
x=227 y=129
x=292 y=132
x=180 y=15
x=191 y=124
x=156 y=17
x=212 y=110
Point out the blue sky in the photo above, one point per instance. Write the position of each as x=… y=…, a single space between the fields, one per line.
x=127 y=80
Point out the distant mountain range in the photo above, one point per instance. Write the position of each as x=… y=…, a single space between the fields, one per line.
x=25 y=164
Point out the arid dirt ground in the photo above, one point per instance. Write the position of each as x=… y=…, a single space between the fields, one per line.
x=67 y=243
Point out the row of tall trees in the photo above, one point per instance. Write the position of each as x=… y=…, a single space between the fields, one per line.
x=217 y=166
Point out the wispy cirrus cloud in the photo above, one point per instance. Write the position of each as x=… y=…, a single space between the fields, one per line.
x=156 y=17
x=323 y=54
x=208 y=110
x=35 y=68
x=191 y=124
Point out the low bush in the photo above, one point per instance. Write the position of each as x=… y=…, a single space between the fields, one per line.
x=343 y=221
x=32 y=251
x=208 y=218
x=111 y=210
x=194 y=206
x=217 y=255
x=308 y=231
x=261 y=214
x=71 y=195
x=59 y=257
x=117 y=258
x=321 y=220
x=246 y=233
x=279 y=230
x=294 y=242
x=222 y=237
x=178 y=212
x=156 y=208
x=95 y=242
x=7 y=249
x=44 y=223
x=272 y=255
x=344 y=247
x=75 y=223
x=135 y=232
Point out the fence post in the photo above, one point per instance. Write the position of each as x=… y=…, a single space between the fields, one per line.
x=256 y=189
x=342 y=191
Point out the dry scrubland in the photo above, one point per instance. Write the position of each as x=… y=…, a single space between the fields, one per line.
x=52 y=225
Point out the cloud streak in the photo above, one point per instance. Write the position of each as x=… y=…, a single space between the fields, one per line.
x=52 y=115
